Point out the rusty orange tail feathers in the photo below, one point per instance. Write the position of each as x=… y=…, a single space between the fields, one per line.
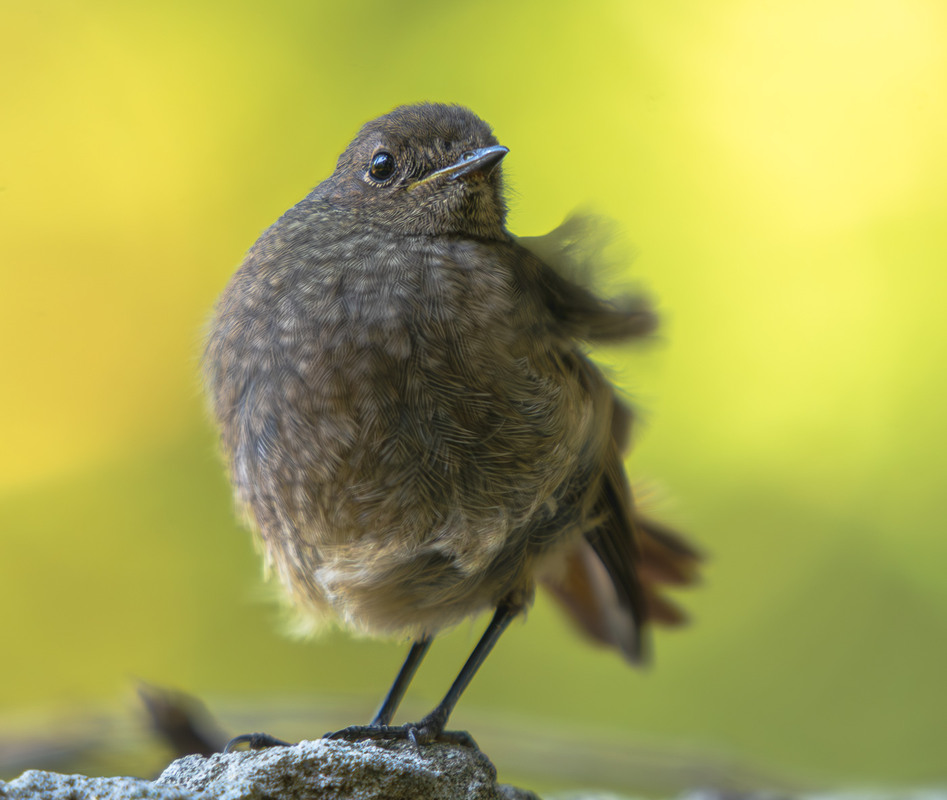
x=586 y=592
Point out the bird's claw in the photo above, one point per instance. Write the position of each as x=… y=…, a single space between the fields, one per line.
x=417 y=733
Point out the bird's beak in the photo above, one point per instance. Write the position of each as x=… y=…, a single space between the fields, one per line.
x=483 y=159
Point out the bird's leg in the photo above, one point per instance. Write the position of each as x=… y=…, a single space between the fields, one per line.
x=431 y=728
x=396 y=692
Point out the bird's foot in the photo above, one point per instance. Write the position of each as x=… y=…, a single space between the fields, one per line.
x=430 y=729
x=254 y=741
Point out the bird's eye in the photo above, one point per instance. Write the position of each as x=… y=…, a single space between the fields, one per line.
x=381 y=167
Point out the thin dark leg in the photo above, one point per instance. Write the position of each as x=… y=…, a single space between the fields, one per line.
x=432 y=726
x=399 y=687
x=437 y=719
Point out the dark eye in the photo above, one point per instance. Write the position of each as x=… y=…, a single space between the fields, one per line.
x=381 y=167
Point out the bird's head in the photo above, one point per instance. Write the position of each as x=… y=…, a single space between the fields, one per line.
x=426 y=169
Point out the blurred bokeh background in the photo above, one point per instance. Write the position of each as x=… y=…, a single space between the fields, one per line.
x=779 y=170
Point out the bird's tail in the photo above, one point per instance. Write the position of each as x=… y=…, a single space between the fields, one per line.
x=665 y=559
x=584 y=589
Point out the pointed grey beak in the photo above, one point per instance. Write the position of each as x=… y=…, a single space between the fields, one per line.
x=482 y=159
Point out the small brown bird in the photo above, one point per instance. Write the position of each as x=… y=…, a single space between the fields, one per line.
x=410 y=418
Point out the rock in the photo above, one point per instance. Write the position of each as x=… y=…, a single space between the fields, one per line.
x=327 y=770
x=35 y=783
x=331 y=770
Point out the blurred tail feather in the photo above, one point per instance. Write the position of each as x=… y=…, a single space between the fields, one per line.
x=587 y=595
x=586 y=592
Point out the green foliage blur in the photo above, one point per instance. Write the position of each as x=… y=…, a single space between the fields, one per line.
x=779 y=171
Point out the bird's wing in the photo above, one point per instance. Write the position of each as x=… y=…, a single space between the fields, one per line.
x=611 y=581
x=615 y=541
x=567 y=258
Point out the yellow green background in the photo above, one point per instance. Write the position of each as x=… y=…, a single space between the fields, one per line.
x=780 y=170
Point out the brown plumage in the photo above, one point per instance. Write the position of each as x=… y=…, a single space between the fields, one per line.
x=408 y=413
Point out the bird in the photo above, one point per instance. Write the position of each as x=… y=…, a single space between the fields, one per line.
x=412 y=421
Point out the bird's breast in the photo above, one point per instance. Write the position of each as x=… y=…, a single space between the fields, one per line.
x=391 y=393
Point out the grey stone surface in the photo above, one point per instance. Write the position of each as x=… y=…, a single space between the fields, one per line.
x=331 y=770
x=326 y=770
x=53 y=786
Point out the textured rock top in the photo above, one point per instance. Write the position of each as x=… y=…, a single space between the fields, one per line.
x=327 y=770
